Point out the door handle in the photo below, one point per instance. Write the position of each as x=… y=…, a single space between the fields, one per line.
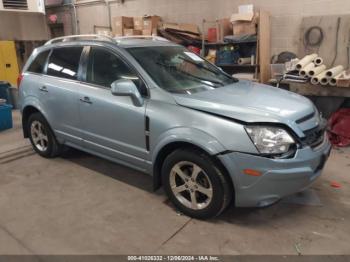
x=86 y=99
x=43 y=89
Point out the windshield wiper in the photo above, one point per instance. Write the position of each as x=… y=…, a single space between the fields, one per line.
x=200 y=65
x=197 y=64
x=201 y=78
x=191 y=75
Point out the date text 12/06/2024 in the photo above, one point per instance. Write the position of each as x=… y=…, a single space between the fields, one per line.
x=173 y=258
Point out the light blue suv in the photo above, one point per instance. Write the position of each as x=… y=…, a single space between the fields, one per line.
x=207 y=138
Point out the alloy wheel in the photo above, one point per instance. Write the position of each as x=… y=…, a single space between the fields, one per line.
x=191 y=185
x=39 y=136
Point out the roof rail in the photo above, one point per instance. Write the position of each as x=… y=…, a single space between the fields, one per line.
x=77 y=37
x=152 y=37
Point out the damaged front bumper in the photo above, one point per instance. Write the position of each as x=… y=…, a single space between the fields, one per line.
x=279 y=177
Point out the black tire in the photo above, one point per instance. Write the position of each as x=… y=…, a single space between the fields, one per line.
x=53 y=148
x=222 y=190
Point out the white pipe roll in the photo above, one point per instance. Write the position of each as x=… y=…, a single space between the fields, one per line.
x=335 y=71
x=245 y=61
x=317 y=79
x=316 y=70
x=304 y=71
x=318 y=61
x=333 y=81
x=324 y=81
x=306 y=60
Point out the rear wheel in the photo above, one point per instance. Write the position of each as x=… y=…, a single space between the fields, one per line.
x=42 y=137
x=195 y=184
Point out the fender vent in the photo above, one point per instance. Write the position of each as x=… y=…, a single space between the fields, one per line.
x=147 y=132
x=15 y=4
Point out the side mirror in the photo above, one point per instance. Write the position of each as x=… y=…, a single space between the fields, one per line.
x=126 y=87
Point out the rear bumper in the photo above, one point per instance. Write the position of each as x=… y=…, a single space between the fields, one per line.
x=280 y=177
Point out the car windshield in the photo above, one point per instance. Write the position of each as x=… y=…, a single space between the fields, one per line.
x=177 y=70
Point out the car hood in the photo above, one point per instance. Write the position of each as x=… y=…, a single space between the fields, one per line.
x=249 y=102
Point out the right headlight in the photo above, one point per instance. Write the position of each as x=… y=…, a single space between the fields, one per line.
x=270 y=140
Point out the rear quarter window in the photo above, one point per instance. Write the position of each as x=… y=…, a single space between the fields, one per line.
x=38 y=64
x=64 y=62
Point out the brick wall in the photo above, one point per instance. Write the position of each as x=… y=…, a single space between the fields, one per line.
x=286 y=15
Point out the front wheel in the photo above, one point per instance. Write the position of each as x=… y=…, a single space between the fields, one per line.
x=195 y=184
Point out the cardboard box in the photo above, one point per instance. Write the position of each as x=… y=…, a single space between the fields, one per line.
x=130 y=32
x=138 y=23
x=171 y=26
x=120 y=23
x=150 y=32
x=146 y=32
x=242 y=17
x=189 y=28
x=245 y=13
x=244 y=22
x=192 y=28
x=151 y=22
x=246 y=9
x=225 y=28
x=244 y=28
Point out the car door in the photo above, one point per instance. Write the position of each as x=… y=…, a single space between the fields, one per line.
x=60 y=92
x=113 y=125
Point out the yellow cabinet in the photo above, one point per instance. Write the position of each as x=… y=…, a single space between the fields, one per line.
x=8 y=62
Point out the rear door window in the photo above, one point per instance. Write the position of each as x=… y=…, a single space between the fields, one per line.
x=38 y=65
x=64 y=62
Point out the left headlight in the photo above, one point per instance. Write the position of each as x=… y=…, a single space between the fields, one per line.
x=270 y=140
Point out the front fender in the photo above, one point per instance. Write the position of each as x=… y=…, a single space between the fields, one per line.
x=189 y=135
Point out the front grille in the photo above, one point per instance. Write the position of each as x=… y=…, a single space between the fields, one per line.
x=314 y=137
x=15 y=4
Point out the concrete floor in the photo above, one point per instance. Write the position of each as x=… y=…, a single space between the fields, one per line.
x=80 y=204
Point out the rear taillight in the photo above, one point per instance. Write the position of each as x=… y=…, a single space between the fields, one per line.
x=19 y=80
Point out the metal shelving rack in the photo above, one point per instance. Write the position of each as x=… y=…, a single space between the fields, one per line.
x=261 y=67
